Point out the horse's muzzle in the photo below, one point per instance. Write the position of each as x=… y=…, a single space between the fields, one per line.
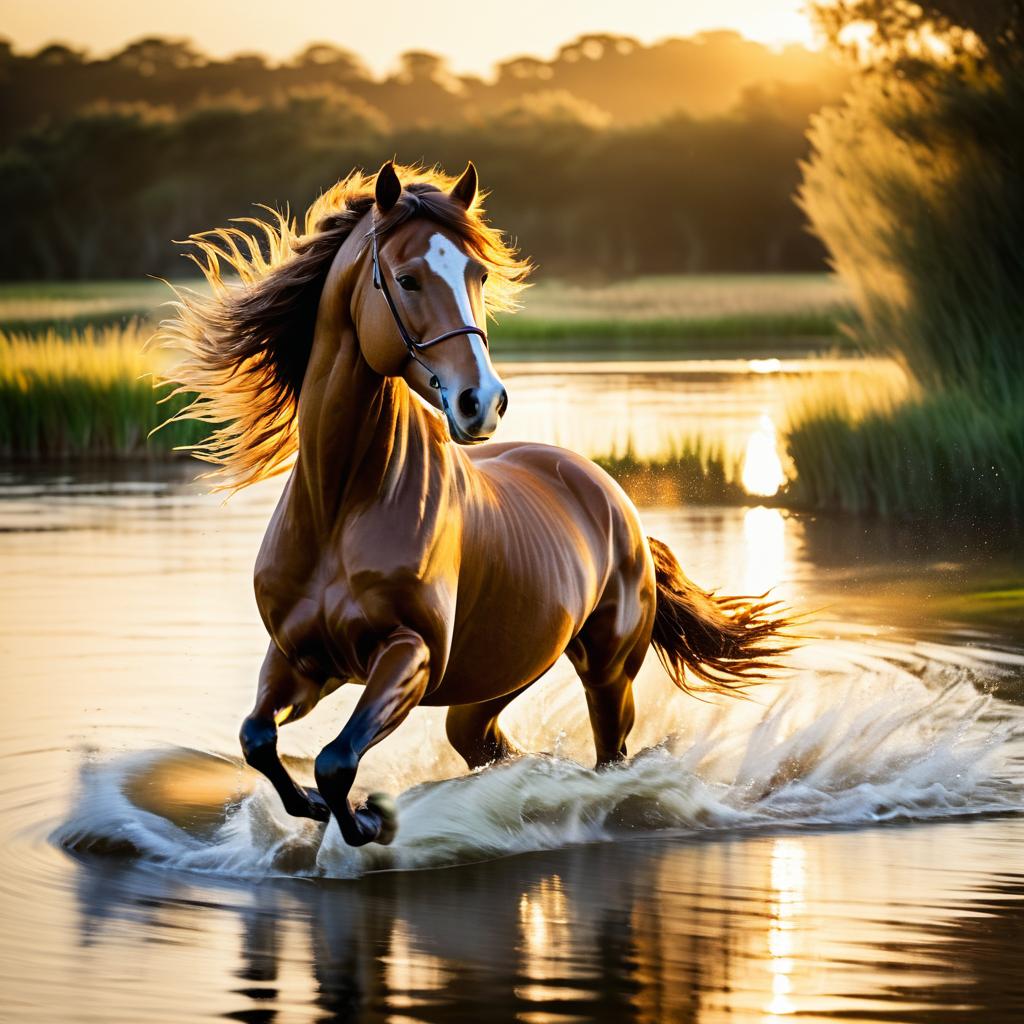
x=476 y=414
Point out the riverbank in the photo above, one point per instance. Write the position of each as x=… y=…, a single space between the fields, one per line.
x=869 y=443
x=670 y=314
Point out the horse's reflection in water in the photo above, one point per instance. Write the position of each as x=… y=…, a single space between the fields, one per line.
x=455 y=946
x=617 y=933
x=469 y=944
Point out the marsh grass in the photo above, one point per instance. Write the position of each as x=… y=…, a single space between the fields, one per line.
x=85 y=394
x=915 y=188
x=741 y=312
x=937 y=455
x=692 y=470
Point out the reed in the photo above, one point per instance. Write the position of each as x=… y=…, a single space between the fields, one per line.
x=938 y=455
x=691 y=470
x=915 y=187
x=85 y=394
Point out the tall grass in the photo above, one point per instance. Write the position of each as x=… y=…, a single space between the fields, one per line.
x=942 y=454
x=671 y=314
x=915 y=186
x=87 y=394
x=693 y=470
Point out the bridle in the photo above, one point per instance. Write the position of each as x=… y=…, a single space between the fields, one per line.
x=414 y=347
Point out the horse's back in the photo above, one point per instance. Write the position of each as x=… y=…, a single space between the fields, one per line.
x=569 y=485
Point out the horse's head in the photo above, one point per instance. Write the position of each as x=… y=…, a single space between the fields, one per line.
x=424 y=318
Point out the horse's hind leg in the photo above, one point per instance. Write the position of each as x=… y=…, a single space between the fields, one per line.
x=474 y=732
x=607 y=659
x=283 y=696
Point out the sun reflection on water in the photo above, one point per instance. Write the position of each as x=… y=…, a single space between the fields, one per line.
x=762 y=467
x=789 y=884
x=764 y=535
x=545 y=946
x=410 y=970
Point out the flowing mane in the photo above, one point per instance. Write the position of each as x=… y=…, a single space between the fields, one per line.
x=242 y=351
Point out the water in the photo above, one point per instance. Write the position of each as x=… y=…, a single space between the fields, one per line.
x=849 y=844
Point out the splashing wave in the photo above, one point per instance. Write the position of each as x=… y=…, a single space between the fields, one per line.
x=896 y=735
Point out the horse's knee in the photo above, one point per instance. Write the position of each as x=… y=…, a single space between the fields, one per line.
x=258 y=737
x=335 y=767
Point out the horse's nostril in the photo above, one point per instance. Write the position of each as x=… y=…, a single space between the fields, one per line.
x=469 y=404
x=502 y=402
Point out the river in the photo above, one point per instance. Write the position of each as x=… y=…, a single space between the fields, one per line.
x=847 y=844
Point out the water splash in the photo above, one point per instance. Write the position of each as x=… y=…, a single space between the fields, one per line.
x=855 y=737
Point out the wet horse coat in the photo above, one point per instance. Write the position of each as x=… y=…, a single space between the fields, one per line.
x=440 y=573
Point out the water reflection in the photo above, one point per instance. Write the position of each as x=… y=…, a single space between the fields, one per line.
x=788 y=882
x=762 y=468
x=634 y=934
x=764 y=538
x=649 y=406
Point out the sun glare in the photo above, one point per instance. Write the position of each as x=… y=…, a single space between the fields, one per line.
x=788 y=882
x=762 y=468
x=764 y=535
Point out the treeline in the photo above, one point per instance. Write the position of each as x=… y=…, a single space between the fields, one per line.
x=612 y=158
x=616 y=78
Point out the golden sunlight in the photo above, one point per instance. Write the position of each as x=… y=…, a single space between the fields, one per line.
x=764 y=533
x=788 y=882
x=408 y=968
x=762 y=467
x=454 y=29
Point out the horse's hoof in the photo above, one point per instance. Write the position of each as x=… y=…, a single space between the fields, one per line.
x=385 y=808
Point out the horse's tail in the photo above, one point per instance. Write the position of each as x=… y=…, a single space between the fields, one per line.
x=728 y=643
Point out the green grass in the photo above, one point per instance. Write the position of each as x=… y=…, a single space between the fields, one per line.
x=85 y=395
x=775 y=332
x=937 y=455
x=681 y=314
x=915 y=188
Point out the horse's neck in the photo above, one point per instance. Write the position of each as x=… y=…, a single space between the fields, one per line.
x=360 y=434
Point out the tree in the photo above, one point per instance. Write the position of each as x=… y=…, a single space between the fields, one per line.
x=155 y=56
x=896 y=31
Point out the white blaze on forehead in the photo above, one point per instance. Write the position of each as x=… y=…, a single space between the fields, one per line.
x=448 y=261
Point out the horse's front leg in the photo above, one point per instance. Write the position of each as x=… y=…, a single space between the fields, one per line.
x=284 y=695
x=397 y=679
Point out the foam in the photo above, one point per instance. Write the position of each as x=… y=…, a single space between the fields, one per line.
x=860 y=734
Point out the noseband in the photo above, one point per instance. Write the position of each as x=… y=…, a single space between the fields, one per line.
x=414 y=346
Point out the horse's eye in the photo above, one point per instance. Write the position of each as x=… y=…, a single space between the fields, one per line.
x=409 y=283
x=483 y=279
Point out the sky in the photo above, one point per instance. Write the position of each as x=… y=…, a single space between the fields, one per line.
x=472 y=34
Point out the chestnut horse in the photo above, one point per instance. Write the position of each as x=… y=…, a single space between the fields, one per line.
x=401 y=556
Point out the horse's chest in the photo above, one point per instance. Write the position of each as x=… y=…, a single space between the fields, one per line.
x=308 y=614
x=337 y=618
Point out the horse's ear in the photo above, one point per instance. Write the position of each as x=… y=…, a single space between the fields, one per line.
x=388 y=187
x=464 y=190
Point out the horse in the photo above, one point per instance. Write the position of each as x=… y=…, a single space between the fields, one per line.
x=404 y=554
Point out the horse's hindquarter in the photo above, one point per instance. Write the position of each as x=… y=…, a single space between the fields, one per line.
x=547 y=535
